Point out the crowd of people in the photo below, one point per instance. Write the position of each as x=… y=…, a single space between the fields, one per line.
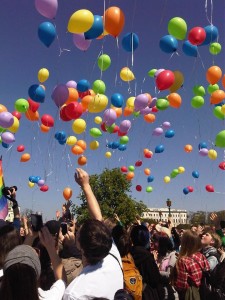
x=106 y=260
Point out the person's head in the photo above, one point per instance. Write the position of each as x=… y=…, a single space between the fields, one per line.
x=123 y=294
x=190 y=243
x=110 y=223
x=95 y=241
x=164 y=245
x=9 y=239
x=140 y=236
x=121 y=239
x=210 y=238
x=193 y=228
x=63 y=208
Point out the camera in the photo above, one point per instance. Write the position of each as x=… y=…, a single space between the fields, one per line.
x=6 y=191
x=64 y=228
x=36 y=222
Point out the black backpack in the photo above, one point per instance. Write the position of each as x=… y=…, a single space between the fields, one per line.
x=217 y=281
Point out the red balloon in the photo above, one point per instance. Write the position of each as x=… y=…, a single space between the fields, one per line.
x=222 y=165
x=73 y=110
x=103 y=128
x=155 y=109
x=165 y=79
x=190 y=188
x=116 y=129
x=33 y=106
x=20 y=148
x=124 y=169
x=83 y=94
x=121 y=133
x=197 y=35
x=47 y=120
x=138 y=163
x=44 y=188
x=209 y=188
x=63 y=115
x=148 y=154
x=138 y=188
x=17 y=114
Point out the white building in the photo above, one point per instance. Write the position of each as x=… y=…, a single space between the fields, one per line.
x=10 y=215
x=161 y=214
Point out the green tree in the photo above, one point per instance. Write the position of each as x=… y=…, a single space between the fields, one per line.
x=111 y=189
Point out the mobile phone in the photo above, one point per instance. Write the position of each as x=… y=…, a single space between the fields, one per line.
x=36 y=222
x=63 y=226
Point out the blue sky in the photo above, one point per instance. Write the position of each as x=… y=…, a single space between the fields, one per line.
x=21 y=56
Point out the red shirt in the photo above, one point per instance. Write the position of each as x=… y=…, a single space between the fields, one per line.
x=188 y=267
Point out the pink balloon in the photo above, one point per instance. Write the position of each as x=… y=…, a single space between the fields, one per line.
x=47 y=8
x=80 y=42
x=6 y=119
x=203 y=152
x=60 y=94
x=166 y=124
x=71 y=84
x=41 y=182
x=140 y=102
x=146 y=110
x=125 y=125
x=8 y=137
x=157 y=131
x=109 y=116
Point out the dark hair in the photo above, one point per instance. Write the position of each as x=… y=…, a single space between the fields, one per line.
x=123 y=294
x=95 y=240
x=19 y=283
x=165 y=245
x=9 y=239
x=121 y=239
x=140 y=235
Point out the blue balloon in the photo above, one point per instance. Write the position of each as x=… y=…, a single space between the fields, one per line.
x=195 y=174
x=168 y=44
x=4 y=145
x=211 y=34
x=109 y=145
x=130 y=42
x=96 y=29
x=62 y=142
x=46 y=33
x=117 y=100
x=32 y=179
x=36 y=93
x=159 y=149
x=150 y=178
x=83 y=85
x=169 y=133
x=60 y=136
x=122 y=147
x=202 y=145
x=185 y=191
x=189 y=49
x=115 y=145
x=36 y=179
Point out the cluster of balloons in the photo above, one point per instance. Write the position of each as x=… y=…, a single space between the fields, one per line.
x=39 y=181
x=187 y=190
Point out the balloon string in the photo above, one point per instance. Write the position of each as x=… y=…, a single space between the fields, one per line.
x=206 y=11
x=201 y=59
x=60 y=49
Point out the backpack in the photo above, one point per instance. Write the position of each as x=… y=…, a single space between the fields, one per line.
x=217 y=281
x=132 y=277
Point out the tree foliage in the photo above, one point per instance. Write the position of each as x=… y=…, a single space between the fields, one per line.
x=111 y=189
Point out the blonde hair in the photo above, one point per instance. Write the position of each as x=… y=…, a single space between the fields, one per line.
x=190 y=243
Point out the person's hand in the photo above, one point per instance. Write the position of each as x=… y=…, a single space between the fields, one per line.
x=30 y=237
x=215 y=219
x=81 y=177
x=116 y=218
x=155 y=254
x=46 y=239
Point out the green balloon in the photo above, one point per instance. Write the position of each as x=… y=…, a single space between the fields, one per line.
x=95 y=132
x=2 y=130
x=136 y=114
x=215 y=48
x=162 y=104
x=104 y=62
x=99 y=87
x=177 y=27
x=124 y=140
x=21 y=105
x=110 y=129
x=220 y=139
x=131 y=168
x=151 y=73
x=199 y=90
x=149 y=189
x=218 y=113
x=212 y=88
x=197 y=101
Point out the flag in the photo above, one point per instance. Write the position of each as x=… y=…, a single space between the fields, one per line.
x=3 y=200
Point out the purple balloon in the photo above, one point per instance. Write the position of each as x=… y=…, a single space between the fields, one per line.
x=80 y=42
x=41 y=182
x=166 y=124
x=60 y=94
x=158 y=72
x=140 y=102
x=71 y=84
x=47 y=8
x=145 y=110
x=109 y=116
x=157 y=131
x=203 y=151
x=6 y=119
x=153 y=102
x=8 y=137
x=125 y=125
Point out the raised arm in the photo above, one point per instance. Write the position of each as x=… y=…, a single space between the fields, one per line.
x=82 y=178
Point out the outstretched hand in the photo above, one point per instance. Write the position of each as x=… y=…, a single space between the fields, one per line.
x=81 y=177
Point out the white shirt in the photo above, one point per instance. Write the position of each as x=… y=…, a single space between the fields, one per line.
x=55 y=293
x=100 y=280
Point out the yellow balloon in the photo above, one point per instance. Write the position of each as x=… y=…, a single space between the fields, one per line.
x=166 y=179
x=43 y=74
x=130 y=102
x=178 y=82
x=181 y=170
x=126 y=74
x=108 y=154
x=94 y=145
x=98 y=120
x=71 y=140
x=15 y=126
x=31 y=184
x=223 y=109
x=80 y=21
x=212 y=154
x=98 y=103
x=79 y=126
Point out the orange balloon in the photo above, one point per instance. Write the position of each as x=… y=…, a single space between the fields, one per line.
x=127 y=111
x=77 y=150
x=118 y=110
x=188 y=148
x=67 y=193
x=32 y=116
x=147 y=171
x=73 y=95
x=174 y=100
x=86 y=100
x=130 y=175
x=213 y=74
x=146 y=150
x=150 y=118
x=114 y=20
x=44 y=128
x=92 y=93
x=82 y=144
x=82 y=160
x=2 y=108
x=25 y=157
x=223 y=81
x=149 y=98
x=217 y=97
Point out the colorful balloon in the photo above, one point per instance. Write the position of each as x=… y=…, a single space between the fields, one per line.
x=47 y=8
x=209 y=188
x=190 y=49
x=6 y=119
x=126 y=74
x=60 y=94
x=165 y=80
x=36 y=93
x=168 y=44
x=80 y=21
x=25 y=157
x=80 y=42
x=213 y=74
x=117 y=100
x=178 y=82
x=96 y=28
x=177 y=27
x=219 y=140
x=114 y=20
x=130 y=42
x=174 y=100
x=43 y=75
x=79 y=126
x=47 y=120
x=197 y=35
x=104 y=62
x=211 y=34
x=46 y=33
x=215 y=48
